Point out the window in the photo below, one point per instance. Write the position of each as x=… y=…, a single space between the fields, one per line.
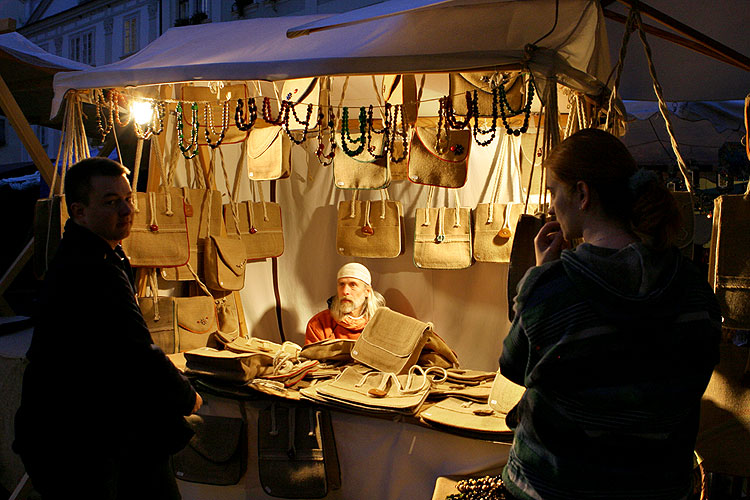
x=203 y=6
x=130 y=35
x=183 y=9
x=82 y=47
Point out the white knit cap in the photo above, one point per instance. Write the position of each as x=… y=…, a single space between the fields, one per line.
x=355 y=270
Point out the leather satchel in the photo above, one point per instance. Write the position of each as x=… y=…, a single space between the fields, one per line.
x=442 y=163
x=442 y=237
x=217 y=452
x=363 y=171
x=228 y=366
x=370 y=228
x=160 y=316
x=269 y=153
x=159 y=236
x=329 y=350
x=297 y=455
x=197 y=323
x=391 y=341
x=483 y=82
x=258 y=224
x=203 y=216
x=468 y=418
x=224 y=263
x=729 y=267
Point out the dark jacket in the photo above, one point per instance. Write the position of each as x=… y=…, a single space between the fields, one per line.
x=95 y=382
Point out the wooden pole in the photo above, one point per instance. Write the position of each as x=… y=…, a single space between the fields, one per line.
x=740 y=60
x=13 y=271
x=27 y=136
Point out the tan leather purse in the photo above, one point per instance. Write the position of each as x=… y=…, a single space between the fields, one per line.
x=391 y=341
x=224 y=263
x=197 y=323
x=363 y=171
x=259 y=225
x=442 y=236
x=442 y=163
x=368 y=228
x=495 y=222
x=159 y=313
x=158 y=237
x=269 y=153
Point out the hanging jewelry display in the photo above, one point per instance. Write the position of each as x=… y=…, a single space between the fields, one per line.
x=398 y=131
x=372 y=130
x=208 y=119
x=102 y=123
x=492 y=131
x=239 y=114
x=305 y=123
x=323 y=158
x=114 y=107
x=362 y=139
x=191 y=149
x=157 y=116
x=267 y=111
x=446 y=110
x=526 y=110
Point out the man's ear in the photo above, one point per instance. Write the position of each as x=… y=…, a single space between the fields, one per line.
x=76 y=211
x=583 y=192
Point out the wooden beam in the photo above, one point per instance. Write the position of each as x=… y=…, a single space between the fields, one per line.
x=13 y=271
x=682 y=41
x=27 y=136
x=672 y=23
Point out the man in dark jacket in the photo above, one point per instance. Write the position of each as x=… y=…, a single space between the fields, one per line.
x=102 y=407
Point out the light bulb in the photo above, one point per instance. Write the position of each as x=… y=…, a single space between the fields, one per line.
x=142 y=111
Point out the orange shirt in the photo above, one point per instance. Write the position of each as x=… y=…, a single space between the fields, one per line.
x=322 y=326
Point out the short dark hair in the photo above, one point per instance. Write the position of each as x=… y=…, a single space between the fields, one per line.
x=78 y=177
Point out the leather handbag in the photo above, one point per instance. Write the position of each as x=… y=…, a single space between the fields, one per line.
x=728 y=266
x=494 y=222
x=269 y=153
x=217 y=452
x=227 y=316
x=522 y=254
x=227 y=366
x=368 y=228
x=468 y=418
x=367 y=170
x=297 y=455
x=440 y=161
x=203 y=216
x=258 y=223
x=216 y=108
x=329 y=350
x=160 y=316
x=197 y=323
x=224 y=263
x=442 y=236
x=483 y=83
x=391 y=341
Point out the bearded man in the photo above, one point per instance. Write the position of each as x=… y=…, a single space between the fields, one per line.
x=350 y=310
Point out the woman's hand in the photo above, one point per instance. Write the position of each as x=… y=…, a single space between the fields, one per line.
x=549 y=243
x=198 y=402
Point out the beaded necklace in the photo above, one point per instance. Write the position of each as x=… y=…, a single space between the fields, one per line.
x=493 y=128
x=526 y=110
x=191 y=149
x=385 y=131
x=157 y=113
x=345 y=132
x=446 y=109
x=208 y=119
x=323 y=158
x=239 y=114
x=402 y=132
x=114 y=109
x=267 y=111
x=305 y=123
x=102 y=124
x=480 y=488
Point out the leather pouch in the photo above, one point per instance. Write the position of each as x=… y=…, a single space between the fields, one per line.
x=217 y=452
x=368 y=228
x=224 y=267
x=363 y=171
x=442 y=237
x=442 y=163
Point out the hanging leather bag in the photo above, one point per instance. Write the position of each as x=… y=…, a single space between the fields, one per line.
x=365 y=170
x=197 y=324
x=160 y=316
x=368 y=228
x=442 y=236
x=217 y=106
x=269 y=153
x=224 y=263
x=442 y=162
x=483 y=82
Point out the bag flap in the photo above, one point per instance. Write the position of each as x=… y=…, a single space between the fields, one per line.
x=216 y=439
x=232 y=253
x=196 y=314
x=504 y=394
x=388 y=335
x=454 y=145
x=436 y=343
x=260 y=139
x=328 y=349
x=376 y=141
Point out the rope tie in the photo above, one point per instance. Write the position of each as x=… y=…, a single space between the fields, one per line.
x=441 y=225
x=430 y=195
x=153 y=223
x=383 y=200
x=367 y=214
x=162 y=171
x=353 y=205
x=457 y=222
x=154 y=292
x=409 y=386
x=233 y=196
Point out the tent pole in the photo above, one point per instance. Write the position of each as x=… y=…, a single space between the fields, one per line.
x=670 y=22
x=681 y=41
x=27 y=136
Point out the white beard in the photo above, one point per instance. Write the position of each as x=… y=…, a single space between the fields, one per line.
x=340 y=308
